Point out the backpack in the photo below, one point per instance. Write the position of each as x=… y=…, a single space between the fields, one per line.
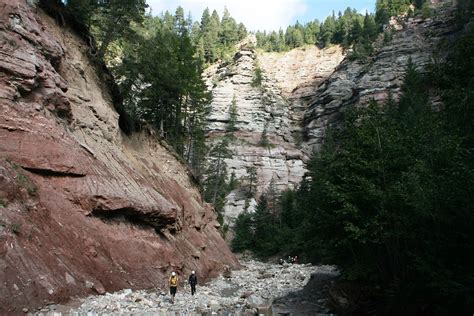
x=174 y=281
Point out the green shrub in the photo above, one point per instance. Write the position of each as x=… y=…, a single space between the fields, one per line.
x=24 y=181
x=426 y=11
x=387 y=36
x=257 y=77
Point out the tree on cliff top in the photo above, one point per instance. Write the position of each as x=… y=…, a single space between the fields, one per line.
x=114 y=18
x=109 y=20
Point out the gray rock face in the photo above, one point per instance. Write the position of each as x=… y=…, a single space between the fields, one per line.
x=257 y=105
x=298 y=73
x=276 y=106
x=260 y=107
x=302 y=92
x=355 y=83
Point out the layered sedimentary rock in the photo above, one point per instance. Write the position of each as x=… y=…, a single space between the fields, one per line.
x=305 y=90
x=84 y=208
x=298 y=73
x=355 y=83
x=274 y=106
x=260 y=110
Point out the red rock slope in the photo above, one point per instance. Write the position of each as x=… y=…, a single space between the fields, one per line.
x=83 y=208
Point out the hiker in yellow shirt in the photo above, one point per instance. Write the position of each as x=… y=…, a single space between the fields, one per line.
x=173 y=285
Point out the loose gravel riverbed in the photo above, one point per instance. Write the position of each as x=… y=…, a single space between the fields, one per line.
x=258 y=288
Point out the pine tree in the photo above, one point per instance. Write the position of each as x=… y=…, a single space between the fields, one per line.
x=370 y=27
x=328 y=29
x=211 y=38
x=233 y=116
x=243 y=239
x=251 y=181
x=264 y=229
x=113 y=21
x=241 y=31
x=229 y=29
x=216 y=173
x=264 y=142
x=210 y=34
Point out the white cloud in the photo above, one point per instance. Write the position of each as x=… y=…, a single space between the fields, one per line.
x=255 y=14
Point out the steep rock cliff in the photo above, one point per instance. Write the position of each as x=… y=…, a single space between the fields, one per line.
x=355 y=83
x=274 y=105
x=305 y=90
x=298 y=73
x=83 y=208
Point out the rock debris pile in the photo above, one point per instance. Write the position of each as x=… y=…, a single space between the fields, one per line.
x=249 y=291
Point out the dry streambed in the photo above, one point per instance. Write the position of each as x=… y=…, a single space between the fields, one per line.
x=258 y=288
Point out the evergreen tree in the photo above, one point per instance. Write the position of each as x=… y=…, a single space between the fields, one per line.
x=243 y=239
x=229 y=29
x=263 y=228
x=311 y=32
x=113 y=21
x=241 y=31
x=328 y=29
x=216 y=174
x=257 y=77
x=294 y=36
x=356 y=33
x=233 y=181
x=272 y=200
x=251 y=181
x=205 y=21
x=233 y=116
x=370 y=27
x=264 y=142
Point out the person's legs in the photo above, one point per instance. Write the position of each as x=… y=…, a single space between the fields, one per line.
x=173 y=293
x=193 y=289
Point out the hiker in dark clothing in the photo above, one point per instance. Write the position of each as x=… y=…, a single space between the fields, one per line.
x=193 y=280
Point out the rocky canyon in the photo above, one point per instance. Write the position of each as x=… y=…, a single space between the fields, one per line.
x=87 y=208
x=304 y=91
x=84 y=208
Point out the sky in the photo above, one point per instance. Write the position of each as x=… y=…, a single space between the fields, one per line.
x=264 y=14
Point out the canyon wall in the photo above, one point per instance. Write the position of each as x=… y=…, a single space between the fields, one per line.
x=356 y=82
x=305 y=90
x=84 y=208
x=274 y=106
